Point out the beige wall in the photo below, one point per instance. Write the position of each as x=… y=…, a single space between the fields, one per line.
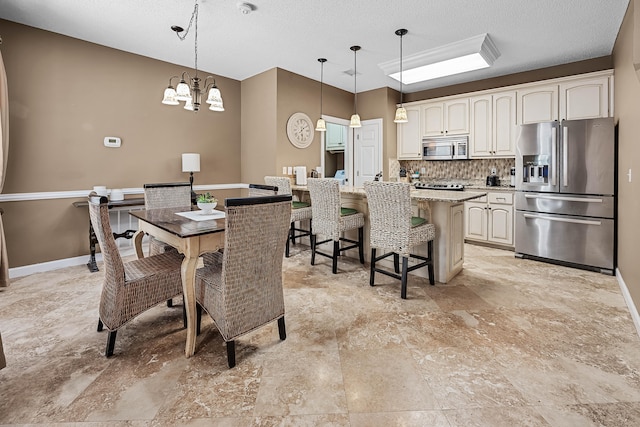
x=627 y=114
x=268 y=100
x=259 y=139
x=298 y=93
x=65 y=96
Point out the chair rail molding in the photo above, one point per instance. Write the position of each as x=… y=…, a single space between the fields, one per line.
x=74 y=194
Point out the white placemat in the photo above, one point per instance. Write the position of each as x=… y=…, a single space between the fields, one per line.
x=198 y=216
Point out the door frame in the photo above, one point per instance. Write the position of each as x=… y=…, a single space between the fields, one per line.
x=347 y=154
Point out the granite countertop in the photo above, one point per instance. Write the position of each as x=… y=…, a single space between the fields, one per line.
x=487 y=188
x=420 y=195
x=446 y=195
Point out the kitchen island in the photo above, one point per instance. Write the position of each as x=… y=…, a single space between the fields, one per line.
x=443 y=208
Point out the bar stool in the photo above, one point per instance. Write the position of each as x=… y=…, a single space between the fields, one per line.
x=300 y=211
x=393 y=227
x=330 y=220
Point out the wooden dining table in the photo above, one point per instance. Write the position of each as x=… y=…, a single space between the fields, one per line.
x=191 y=237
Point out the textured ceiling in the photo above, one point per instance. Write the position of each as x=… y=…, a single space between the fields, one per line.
x=293 y=34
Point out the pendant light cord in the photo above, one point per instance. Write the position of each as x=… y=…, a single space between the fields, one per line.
x=355 y=80
x=194 y=17
x=321 y=79
x=401 y=35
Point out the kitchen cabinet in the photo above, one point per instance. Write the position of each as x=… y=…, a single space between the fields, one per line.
x=571 y=99
x=335 y=137
x=445 y=118
x=584 y=98
x=490 y=218
x=491 y=117
x=493 y=125
x=537 y=104
x=409 y=136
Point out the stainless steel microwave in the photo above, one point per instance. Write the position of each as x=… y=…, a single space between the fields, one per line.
x=446 y=148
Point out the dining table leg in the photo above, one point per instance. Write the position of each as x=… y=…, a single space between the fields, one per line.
x=188 y=271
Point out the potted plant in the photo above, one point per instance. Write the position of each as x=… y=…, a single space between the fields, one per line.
x=207 y=203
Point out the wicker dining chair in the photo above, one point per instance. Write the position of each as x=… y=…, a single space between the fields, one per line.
x=257 y=190
x=133 y=287
x=300 y=211
x=331 y=220
x=244 y=292
x=165 y=195
x=393 y=227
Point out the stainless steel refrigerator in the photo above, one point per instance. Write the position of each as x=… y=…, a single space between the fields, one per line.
x=565 y=193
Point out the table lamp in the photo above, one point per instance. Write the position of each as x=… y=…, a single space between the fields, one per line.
x=191 y=164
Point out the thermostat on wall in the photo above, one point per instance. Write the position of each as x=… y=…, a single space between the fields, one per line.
x=111 y=141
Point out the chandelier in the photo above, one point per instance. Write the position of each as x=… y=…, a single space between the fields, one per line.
x=191 y=93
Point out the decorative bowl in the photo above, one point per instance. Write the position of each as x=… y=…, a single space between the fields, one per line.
x=207 y=208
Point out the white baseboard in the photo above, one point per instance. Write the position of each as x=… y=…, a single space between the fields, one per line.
x=630 y=304
x=60 y=263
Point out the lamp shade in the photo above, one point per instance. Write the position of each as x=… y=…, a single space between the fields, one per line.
x=190 y=162
x=321 y=125
x=401 y=115
x=355 y=121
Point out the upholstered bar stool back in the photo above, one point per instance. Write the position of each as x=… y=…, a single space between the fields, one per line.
x=300 y=211
x=395 y=229
x=331 y=220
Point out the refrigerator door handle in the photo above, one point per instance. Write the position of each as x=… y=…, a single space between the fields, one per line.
x=554 y=151
x=565 y=156
x=565 y=199
x=573 y=221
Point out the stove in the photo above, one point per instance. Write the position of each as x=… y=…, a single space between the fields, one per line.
x=428 y=186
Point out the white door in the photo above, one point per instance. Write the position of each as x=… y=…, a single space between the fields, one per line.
x=367 y=150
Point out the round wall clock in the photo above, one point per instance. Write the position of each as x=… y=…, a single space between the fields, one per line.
x=300 y=130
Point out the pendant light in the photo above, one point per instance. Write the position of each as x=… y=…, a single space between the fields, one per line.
x=355 y=119
x=401 y=113
x=321 y=126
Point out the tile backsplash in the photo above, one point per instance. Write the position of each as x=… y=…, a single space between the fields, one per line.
x=467 y=172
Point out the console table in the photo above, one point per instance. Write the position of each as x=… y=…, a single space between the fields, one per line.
x=127 y=234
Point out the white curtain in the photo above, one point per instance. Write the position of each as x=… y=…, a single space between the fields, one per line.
x=4 y=151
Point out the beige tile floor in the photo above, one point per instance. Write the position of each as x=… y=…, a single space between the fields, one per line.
x=509 y=342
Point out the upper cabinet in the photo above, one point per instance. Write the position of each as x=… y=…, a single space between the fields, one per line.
x=493 y=125
x=584 y=99
x=445 y=118
x=537 y=104
x=335 y=137
x=572 y=99
x=491 y=117
x=409 y=136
